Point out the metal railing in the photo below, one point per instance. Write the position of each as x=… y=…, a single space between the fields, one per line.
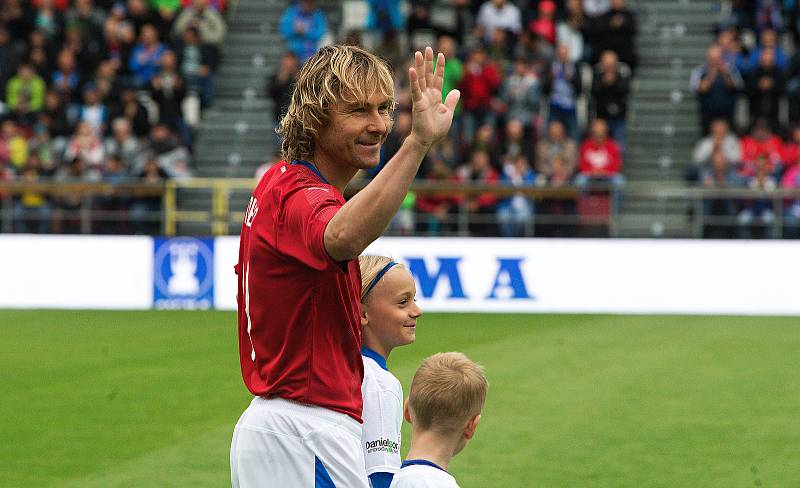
x=228 y=199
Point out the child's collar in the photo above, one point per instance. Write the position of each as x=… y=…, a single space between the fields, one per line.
x=365 y=351
x=421 y=462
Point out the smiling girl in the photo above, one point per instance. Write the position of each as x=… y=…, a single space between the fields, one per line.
x=389 y=315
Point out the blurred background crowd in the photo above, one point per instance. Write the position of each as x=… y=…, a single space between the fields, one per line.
x=748 y=93
x=102 y=91
x=114 y=91
x=544 y=93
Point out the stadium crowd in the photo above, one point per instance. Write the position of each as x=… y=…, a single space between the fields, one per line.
x=102 y=91
x=748 y=92
x=544 y=87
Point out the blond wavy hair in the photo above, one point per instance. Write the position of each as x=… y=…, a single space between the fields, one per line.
x=334 y=74
x=447 y=391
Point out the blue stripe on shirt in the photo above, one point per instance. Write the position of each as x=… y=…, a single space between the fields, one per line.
x=321 y=477
x=380 y=480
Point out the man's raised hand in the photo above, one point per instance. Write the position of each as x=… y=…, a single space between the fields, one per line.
x=431 y=119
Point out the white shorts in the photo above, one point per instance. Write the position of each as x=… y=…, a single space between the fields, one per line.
x=284 y=444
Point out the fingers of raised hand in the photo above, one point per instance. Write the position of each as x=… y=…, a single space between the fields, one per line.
x=419 y=65
x=429 y=83
x=438 y=77
x=414 y=83
x=452 y=99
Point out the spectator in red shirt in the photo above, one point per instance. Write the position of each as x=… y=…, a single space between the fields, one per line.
x=600 y=161
x=544 y=25
x=480 y=83
x=599 y=154
x=761 y=141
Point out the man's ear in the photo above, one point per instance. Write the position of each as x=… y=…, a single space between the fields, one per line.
x=364 y=319
x=469 y=430
x=406 y=414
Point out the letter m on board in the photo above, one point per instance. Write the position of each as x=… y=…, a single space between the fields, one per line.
x=448 y=269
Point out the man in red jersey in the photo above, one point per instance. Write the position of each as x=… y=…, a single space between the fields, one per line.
x=299 y=282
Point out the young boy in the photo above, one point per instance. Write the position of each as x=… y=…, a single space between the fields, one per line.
x=444 y=408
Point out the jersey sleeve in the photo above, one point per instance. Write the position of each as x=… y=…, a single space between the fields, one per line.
x=305 y=215
x=382 y=416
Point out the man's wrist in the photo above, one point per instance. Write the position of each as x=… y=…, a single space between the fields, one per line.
x=416 y=144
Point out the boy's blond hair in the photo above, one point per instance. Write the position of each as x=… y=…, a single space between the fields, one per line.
x=447 y=391
x=334 y=74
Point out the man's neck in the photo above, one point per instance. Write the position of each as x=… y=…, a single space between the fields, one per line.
x=337 y=176
x=432 y=447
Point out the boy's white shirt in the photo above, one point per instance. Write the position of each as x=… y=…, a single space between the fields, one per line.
x=423 y=476
x=383 y=418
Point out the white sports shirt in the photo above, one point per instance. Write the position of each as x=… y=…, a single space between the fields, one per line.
x=418 y=473
x=382 y=415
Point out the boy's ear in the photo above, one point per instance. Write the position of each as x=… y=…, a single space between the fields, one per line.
x=469 y=430
x=364 y=319
x=406 y=415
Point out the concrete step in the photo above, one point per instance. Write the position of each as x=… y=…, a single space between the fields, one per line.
x=238 y=71
x=240 y=37
x=646 y=225
x=241 y=104
x=665 y=72
x=693 y=7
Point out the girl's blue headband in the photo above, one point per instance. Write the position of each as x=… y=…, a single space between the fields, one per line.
x=378 y=277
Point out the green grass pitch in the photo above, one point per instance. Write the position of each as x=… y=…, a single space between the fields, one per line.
x=120 y=399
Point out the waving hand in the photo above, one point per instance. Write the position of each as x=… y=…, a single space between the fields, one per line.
x=431 y=119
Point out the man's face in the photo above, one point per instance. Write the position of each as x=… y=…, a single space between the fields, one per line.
x=714 y=56
x=555 y=130
x=719 y=128
x=149 y=35
x=447 y=46
x=562 y=51
x=599 y=130
x=608 y=61
x=354 y=133
x=767 y=58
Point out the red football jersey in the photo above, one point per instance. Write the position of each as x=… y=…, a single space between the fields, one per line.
x=299 y=326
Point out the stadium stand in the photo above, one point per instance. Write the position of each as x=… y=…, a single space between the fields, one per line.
x=105 y=92
x=747 y=92
x=208 y=108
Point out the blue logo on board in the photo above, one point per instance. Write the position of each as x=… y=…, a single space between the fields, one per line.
x=183 y=273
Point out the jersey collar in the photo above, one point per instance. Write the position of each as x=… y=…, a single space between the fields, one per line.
x=421 y=462
x=312 y=168
x=365 y=351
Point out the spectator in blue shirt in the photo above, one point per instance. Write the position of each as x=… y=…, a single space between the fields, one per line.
x=146 y=56
x=302 y=26
x=385 y=16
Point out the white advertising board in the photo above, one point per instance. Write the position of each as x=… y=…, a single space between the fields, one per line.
x=452 y=274
x=102 y=272
x=584 y=275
